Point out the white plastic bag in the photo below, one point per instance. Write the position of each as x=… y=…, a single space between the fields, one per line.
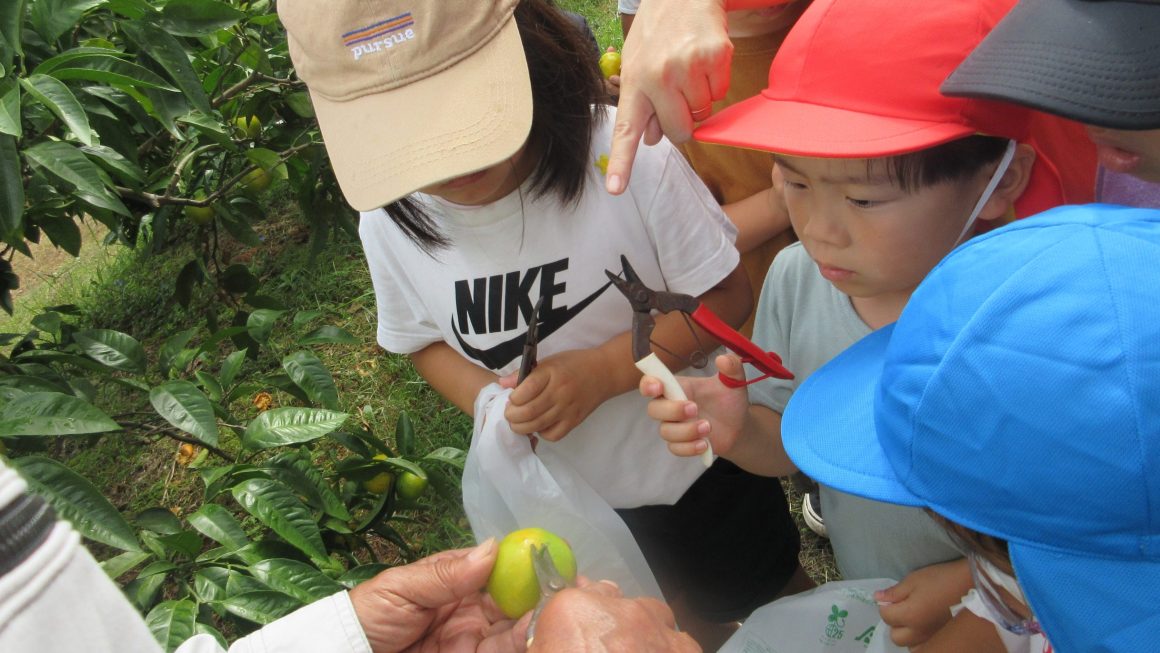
x=838 y=617
x=506 y=487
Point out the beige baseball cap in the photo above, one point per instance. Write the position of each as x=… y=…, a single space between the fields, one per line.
x=409 y=94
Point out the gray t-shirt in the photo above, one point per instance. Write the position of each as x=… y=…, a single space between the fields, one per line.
x=807 y=321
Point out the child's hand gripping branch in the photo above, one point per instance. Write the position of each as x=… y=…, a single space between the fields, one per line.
x=566 y=387
x=746 y=434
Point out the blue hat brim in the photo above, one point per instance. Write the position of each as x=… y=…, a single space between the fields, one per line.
x=828 y=429
x=1089 y=603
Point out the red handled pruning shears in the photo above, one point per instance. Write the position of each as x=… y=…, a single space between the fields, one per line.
x=645 y=300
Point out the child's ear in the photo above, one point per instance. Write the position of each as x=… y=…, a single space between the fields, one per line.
x=1012 y=185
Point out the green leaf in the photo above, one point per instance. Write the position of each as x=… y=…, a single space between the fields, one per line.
x=309 y=373
x=209 y=583
x=11 y=190
x=50 y=413
x=298 y=579
x=210 y=385
x=77 y=501
x=64 y=232
x=51 y=18
x=282 y=426
x=218 y=524
x=173 y=346
x=122 y=563
x=114 y=349
x=10 y=107
x=168 y=52
x=70 y=165
x=186 y=543
x=261 y=322
x=231 y=366
x=299 y=102
x=159 y=520
x=304 y=477
x=329 y=335
x=302 y=317
x=187 y=408
x=361 y=574
x=112 y=161
x=262 y=606
x=275 y=505
x=198 y=17
x=405 y=434
x=60 y=100
x=172 y=622
x=449 y=455
x=11 y=20
x=106 y=68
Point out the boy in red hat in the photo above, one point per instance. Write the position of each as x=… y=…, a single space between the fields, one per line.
x=883 y=176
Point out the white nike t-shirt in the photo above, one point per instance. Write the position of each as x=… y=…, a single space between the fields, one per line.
x=477 y=294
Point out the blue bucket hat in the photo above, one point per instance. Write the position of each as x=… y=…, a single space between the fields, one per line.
x=1019 y=395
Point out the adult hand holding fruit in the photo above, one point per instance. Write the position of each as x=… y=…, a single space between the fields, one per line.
x=436 y=604
x=595 y=618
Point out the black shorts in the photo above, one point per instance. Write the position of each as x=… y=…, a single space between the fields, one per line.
x=728 y=546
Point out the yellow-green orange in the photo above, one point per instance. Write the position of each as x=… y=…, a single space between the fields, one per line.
x=381 y=482
x=257 y=180
x=411 y=485
x=513 y=583
x=199 y=214
x=610 y=64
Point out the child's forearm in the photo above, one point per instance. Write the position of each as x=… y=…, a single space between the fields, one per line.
x=758 y=218
x=758 y=447
x=453 y=376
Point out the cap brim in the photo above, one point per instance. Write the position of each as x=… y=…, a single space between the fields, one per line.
x=467 y=117
x=828 y=431
x=1095 y=62
x=802 y=129
x=1087 y=602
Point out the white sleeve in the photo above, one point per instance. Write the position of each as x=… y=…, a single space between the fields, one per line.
x=628 y=6
x=328 y=625
x=403 y=325
x=692 y=236
x=1012 y=642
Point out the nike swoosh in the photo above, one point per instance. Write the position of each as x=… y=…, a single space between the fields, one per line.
x=507 y=351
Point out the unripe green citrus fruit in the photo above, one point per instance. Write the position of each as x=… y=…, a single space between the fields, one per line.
x=411 y=486
x=610 y=64
x=256 y=181
x=381 y=482
x=513 y=583
x=199 y=215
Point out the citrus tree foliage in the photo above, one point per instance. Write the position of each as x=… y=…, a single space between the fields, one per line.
x=143 y=113
x=291 y=493
x=146 y=115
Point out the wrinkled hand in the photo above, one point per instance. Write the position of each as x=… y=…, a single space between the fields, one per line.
x=675 y=61
x=920 y=605
x=436 y=605
x=712 y=411
x=596 y=619
x=557 y=396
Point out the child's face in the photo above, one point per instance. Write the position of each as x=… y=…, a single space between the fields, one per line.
x=870 y=238
x=1132 y=152
x=484 y=186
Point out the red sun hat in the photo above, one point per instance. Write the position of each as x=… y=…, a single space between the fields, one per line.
x=860 y=79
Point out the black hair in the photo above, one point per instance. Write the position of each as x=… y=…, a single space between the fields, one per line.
x=565 y=83
x=951 y=161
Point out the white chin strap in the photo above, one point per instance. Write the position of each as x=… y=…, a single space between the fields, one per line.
x=989 y=190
